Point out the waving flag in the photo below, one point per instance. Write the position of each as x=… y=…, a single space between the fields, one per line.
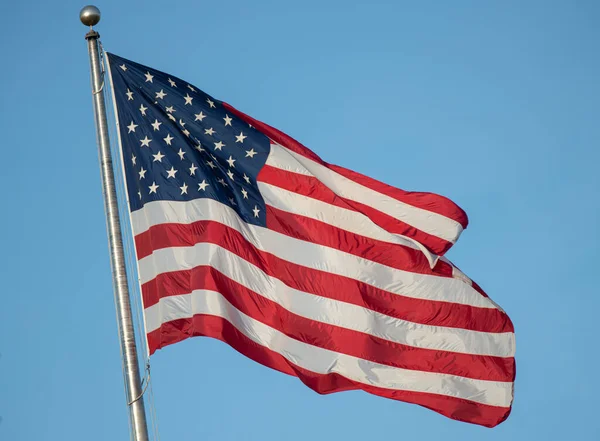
x=244 y=235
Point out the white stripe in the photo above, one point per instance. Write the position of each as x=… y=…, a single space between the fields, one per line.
x=427 y=221
x=405 y=283
x=339 y=217
x=323 y=361
x=321 y=309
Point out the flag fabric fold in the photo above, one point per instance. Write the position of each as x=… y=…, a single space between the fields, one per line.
x=432 y=220
x=244 y=235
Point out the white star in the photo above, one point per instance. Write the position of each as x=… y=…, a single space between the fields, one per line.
x=191 y=88
x=184 y=188
x=145 y=142
x=148 y=77
x=210 y=103
x=143 y=110
x=142 y=173
x=158 y=157
x=219 y=145
x=156 y=124
x=232 y=201
x=202 y=185
x=244 y=193
x=227 y=120
x=172 y=118
x=188 y=99
x=256 y=211
x=132 y=127
x=140 y=194
x=186 y=132
x=172 y=83
x=153 y=188
x=181 y=123
x=209 y=131
x=123 y=67
x=230 y=174
x=181 y=153
x=199 y=116
x=240 y=137
x=171 y=173
x=199 y=147
x=210 y=164
x=246 y=178
x=133 y=158
x=193 y=169
x=160 y=95
x=222 y=182
x=250 y=153
x=231 y=161
x=170 y=109
x=129 y=95
x=168 y=139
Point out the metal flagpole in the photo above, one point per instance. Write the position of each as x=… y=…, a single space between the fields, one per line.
x=90 y=16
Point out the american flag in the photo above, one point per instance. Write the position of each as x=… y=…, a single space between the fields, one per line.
x=245 y=235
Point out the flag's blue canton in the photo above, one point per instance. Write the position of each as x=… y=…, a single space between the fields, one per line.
x=181 y=144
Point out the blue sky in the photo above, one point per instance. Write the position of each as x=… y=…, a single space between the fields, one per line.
x=494 y=106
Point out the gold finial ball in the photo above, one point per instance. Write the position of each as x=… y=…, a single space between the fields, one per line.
x=89 y=15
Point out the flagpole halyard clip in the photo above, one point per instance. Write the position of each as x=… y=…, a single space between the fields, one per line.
x=102 y=73
x=145 y=382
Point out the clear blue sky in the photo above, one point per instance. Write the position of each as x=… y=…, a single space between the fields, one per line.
x=495 y=106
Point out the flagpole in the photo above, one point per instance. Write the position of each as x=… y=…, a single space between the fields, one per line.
x=90 y=16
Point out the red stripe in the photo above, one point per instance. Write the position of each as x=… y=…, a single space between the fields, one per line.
x=311 y=187
x=221 y=329
x=327 y=336
x=322 y=283
x=322 y=233
x=427 y=201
